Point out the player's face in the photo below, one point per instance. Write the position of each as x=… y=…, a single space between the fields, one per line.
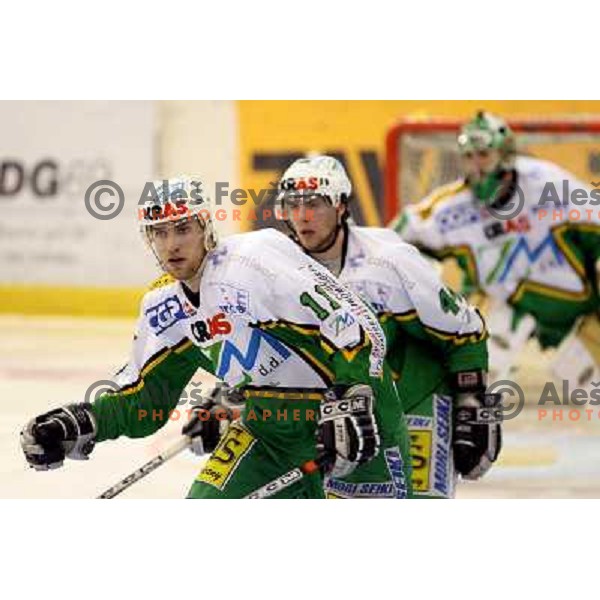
x=180 y=247
x=314 y=220
x=479 y=163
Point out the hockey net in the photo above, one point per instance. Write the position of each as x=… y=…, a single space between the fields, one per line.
x=422 y=155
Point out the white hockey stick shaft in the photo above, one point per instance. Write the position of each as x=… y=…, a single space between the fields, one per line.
x=150 y=466
x=285 y=480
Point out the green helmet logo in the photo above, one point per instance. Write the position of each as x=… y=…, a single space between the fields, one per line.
x=488 y=132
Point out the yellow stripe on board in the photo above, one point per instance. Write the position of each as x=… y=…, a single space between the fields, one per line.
x=72 y=301
x=361 y=184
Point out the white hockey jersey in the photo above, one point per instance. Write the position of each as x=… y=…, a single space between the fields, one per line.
x=538 y=260
x=268 y=317
x=401 y=286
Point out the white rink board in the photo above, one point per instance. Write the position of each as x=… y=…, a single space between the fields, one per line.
x=50 y=153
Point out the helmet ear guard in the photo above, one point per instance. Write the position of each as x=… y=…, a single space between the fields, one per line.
x=211 y=239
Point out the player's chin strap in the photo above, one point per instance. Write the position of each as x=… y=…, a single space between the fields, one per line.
x=208 y=246
x=328 y=244
x=197 y=274
x=200 y=270
x=341 y=225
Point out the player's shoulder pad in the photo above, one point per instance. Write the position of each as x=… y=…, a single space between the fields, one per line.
x=254 y=257
x=264 y=245
x=375 y=236
x=386 y=246
x=440 y=195
x=249 y=239
x=540 y=170
x=162 y=281
x=410 y=265
x=159 y=289
x=268 y=235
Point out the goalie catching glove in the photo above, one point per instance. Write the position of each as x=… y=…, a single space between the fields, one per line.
x=347 y=434
x=69 y=431
x=477 y=439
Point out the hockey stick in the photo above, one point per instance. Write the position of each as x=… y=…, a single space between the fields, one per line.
x=156 y=462
x=267 y=490
x=287 y=479
x=144 y=470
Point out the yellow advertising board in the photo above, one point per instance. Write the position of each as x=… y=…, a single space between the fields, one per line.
x=272 y=133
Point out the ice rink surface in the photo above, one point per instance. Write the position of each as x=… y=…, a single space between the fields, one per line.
x=46 y=362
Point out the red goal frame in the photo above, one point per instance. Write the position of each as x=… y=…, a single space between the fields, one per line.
x=393 y=155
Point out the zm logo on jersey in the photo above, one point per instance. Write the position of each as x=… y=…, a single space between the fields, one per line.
x=247 y=360
x=340 y=321
x=164 y=315
x=532 y=255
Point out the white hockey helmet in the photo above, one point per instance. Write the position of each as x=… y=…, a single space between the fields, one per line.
x=316 y=176
x=176 y=199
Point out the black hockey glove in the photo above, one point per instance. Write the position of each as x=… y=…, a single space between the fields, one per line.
x=347 y=435
x=477 y=438
x=210 y=419
x=67 y=431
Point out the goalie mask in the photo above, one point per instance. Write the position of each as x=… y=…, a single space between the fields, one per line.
x=172 y=202
x=489 y=142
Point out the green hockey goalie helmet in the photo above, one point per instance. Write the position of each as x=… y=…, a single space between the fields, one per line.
x=487 y=134
x=174 y=200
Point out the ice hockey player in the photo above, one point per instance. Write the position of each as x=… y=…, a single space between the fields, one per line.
x=526 y=233
x=262 y=316
x=436 y=341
